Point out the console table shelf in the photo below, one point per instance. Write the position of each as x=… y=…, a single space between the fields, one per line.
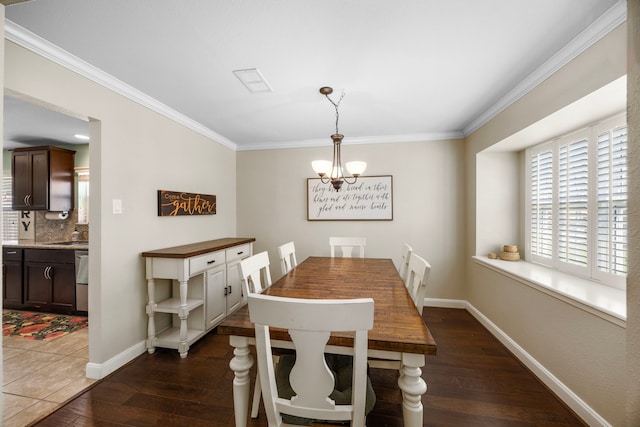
x=172 y=305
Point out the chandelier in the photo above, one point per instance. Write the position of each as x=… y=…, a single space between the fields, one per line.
x=331 y=172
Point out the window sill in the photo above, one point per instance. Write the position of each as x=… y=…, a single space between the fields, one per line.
x=604 y=301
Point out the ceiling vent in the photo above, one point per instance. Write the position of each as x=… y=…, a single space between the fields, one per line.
x=253 y=80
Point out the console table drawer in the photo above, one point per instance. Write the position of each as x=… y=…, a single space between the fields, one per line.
x=206 y=261
x=238 y=252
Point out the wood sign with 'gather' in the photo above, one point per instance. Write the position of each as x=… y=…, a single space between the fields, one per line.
x=174 y=203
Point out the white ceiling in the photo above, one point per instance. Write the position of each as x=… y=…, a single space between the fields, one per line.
x=30 y=124
x=410 y=69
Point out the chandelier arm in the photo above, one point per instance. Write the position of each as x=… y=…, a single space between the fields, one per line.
x=355 y=178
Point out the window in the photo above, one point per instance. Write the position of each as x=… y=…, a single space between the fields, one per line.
x=10 y=218
x=82 y=193
x=577 y=202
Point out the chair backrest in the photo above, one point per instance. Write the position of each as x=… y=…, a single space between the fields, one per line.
x=347 y=245
x=310 y=323
x=404 y=262
x=256 y=274
x=287 y=253
x=417 y=278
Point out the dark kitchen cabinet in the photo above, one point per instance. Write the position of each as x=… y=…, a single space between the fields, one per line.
x=42 y=178
x=12 y=278
x=49 y=280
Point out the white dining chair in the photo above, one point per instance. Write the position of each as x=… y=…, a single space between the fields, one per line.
x=256 y=274
x=417 y=278
x=404 y=262
x=256 y=277
x=347 y=245
x=304 y=386
x=287 y=253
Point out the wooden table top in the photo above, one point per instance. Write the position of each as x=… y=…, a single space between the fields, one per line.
x=193 y=249
x=397 y=324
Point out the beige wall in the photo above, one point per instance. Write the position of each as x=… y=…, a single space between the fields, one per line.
x=428 y=205
x=133 y=153
x=584 y=352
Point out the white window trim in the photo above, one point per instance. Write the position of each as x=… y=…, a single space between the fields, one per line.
x=604 y=301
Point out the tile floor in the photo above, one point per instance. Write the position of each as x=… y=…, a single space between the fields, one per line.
x=40 y=376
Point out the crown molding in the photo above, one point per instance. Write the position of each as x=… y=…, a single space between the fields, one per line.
x=359 y=140
x=25 y=38
x=616 y=15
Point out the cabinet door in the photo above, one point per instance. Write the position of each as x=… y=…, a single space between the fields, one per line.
x=39 y=180
x=37 y=287
x=21 y=182
x=60 y=180
x=63 y=287
x=12 y=277
x=216 y=302
x=12 y=284
x=234 y=287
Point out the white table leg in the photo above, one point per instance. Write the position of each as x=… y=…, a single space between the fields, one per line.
x=413 y=387
x=241 y=364
x=151 y=323
x=183 y=314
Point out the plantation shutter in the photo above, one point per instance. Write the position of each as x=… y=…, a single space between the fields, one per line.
x=573 y=179
x=577 y=202
x=612 y=202
x=541 y=231
x=10 y=217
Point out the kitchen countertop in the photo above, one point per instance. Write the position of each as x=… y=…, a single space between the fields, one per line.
x=30 y=244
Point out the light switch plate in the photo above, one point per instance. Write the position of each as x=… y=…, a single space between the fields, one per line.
x=117 y=206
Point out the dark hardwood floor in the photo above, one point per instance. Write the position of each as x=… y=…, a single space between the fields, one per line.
x=473 y=381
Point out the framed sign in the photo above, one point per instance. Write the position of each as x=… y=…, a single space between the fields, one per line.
x=174 y=203
x=369 y=199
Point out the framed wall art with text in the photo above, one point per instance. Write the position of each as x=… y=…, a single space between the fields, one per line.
x=370 y=198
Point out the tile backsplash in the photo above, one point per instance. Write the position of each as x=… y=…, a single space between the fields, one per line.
x=58 y=230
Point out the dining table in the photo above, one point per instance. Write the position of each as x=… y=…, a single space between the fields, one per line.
x=399 y=332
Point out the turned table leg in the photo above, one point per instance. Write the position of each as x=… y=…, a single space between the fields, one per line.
x=413 y=387
x=241 y=364
x=151 y=324
x=183 y=314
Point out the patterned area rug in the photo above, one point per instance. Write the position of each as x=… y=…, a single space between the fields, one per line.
x=40 y=326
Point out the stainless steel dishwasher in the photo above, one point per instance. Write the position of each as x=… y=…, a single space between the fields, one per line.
x=82 y=281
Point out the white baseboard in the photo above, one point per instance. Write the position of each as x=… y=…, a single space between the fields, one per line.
x=584 y=411
x=445 y=303
x=100 y=370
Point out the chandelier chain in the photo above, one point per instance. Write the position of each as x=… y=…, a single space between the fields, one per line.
x=336 y=105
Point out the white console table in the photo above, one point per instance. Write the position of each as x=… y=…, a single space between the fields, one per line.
x=191 y=288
